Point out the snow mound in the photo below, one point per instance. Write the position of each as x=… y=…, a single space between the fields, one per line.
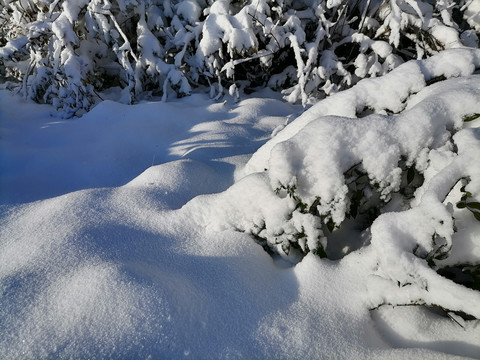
x=108 y=274
x=394 y=180
x=192 y=178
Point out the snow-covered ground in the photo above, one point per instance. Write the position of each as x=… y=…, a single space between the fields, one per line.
x=113 y=243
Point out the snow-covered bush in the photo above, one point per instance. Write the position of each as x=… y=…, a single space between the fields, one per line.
x=403 y=179
x=315 y=48
x=65 y=52
x=335 y=162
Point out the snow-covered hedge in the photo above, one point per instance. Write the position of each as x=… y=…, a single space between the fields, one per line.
x=66 y=51
x=391 y=162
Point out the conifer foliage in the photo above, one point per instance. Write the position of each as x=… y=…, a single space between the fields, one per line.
x=65 y=52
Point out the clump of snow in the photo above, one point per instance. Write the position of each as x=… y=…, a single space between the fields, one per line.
x=409 y=79
x=13 y=46
x=71 y=8
x=472 y=13
x=190 y=10
x=302 y=182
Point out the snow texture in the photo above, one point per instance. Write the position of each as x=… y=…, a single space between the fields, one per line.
x=118 y=231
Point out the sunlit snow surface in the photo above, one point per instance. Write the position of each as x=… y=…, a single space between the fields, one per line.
x=103 y=255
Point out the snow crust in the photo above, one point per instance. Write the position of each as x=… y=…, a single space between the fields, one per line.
x=119 y=230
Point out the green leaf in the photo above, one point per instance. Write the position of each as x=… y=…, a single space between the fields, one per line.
x=410 y=174
x=354 y=209
x=473 y=205
x=313 y=207
x=330 y=225
x=476 y=214
x=461 y=205
x=471 y=117
x=476 y=284
x=320 y=252
x=301 y=206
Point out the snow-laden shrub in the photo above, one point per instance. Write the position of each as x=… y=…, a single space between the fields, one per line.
x=321 y=47
x=332 y=167
x=65 y=52
x=405 y=181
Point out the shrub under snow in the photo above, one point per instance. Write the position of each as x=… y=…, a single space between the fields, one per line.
x=403 y=179
x=66 y=51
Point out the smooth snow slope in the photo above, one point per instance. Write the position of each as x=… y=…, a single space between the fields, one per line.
x=124 y=268
x=46 y=156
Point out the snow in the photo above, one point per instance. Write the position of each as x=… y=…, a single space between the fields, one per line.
x=12 y=46
x=62 y=29
x=409 y=79
x=72 y=8
x=119 y=229
x=472 y=13
x=190 y=10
